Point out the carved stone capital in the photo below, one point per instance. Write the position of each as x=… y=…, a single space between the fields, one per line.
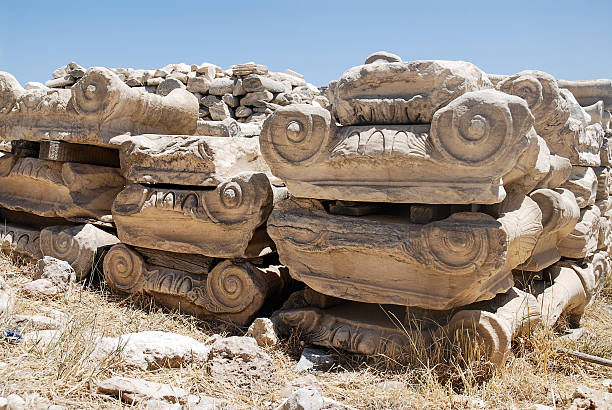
x=230 y=290
x=476 y=139
x=220 y=222
x=58 y=189
x=98 y=107
x=78 y=245
x=20 y=240
x=582 y=240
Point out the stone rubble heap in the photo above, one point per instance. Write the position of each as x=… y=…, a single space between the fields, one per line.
x=244 y=93
x=414 y=201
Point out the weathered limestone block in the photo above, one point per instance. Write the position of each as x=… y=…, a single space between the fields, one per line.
x=20 y=240
x=403 y=92
x=58 y=189
x=231 y=290
x=583 y=184
x=494 y=323
x=582 y=241
x=560 y=214
x=577 y=140
x=440 y=265
x=542 y=94
x=85 y=154
x=531 y=168
x=254 y=83
x=589 y=92
x=242 y=70
x=565 y=297
x=459 y=159
x=603 y=182
x=605 y=154
x=78 y=245
x=220 y=222
x=559 y=172
x=600 y=265
x=604 y=240
x=98 y=107
x=226 y=128
x=188 y=160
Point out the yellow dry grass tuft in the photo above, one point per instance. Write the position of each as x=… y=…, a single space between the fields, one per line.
x=62 y=373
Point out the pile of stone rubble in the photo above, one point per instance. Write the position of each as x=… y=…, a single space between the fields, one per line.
x=414 y=201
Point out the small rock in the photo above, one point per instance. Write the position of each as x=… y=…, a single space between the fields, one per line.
x=587 y=398
x=152 y=350
x=155 y=404
x=3 y=403
x=182 y=68
x=168 y=85
x=607 y=383
x=34 y=85
x=60 y=82
x=219 y=111
x=207 y=403
x=35 y=322
x=390 y=385
x=262 y=330
x=42 y=338
x=303 y=398
x=182 y=77
x=331 y=404
x=243 y=112
x=15 y=402
x=198 y=85
x=155 y=81
x=309 y=381
x=542 y=407
x=209 y=100
x=240 y=361
x=238 y=88
x=161 y=73
x=207 y=71
x=314 y=360
x=252 y=98
x=7 y=298
x=56 y=407
x=59 y=272
x=382 y=57
x=40 y=287
x=136 y=390
x=230 y=100
x=220 y=86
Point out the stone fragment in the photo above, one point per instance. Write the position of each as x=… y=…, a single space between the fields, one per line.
x=314 y=360
x=86 y=154
x=35 y=322
x=78 y=245
x=198 y=85
x=60 y=82
x=559 y=172
x=191 y=160
x=169 y=84
x=238 y=90
x=254 y=83
x=134 y=390
x=239 y=361
x=603 y=182
x=582 y=182
x=220 y=223
x=292 y=80
x=207 y=403
x=15 y=402
x=587 y=398
x=182 y=77
x=262 y=330
x=209 y=100
x=7 y=298
x=404 y=163
x=98 y=107
x=582 y=241
x=256 y=98
x=57 y=189
x=589 y=92
x=605 y=154
x=243 y=70
x=403 y=92
x=560 y=213
x=152 y=350
x=232 y=291
x=219 y=111
x=40 y=288
x=207 y=70
x=154 y=82
x=221 y=86
x=243 y=112
x=20 y=240
x=162 y=73
x=303 y=399
x=231 y=100
x=59 y=272
x=530 y=169
x=337 y=257
x=34 y=85
x=382 y=57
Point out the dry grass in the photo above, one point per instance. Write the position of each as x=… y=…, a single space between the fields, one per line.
x=63 y=373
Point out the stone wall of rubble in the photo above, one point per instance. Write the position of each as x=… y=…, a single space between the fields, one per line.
x=415 y=201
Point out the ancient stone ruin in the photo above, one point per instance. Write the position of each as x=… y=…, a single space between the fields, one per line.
x=406 y=201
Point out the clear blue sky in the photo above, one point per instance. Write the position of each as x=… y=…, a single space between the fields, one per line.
x=320 y=39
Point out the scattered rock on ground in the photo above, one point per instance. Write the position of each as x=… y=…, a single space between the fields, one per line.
x=607 y=383
x=262 y=330
x=587 y=398
x=42 y=338
x=240 y=361
x=35 y=322
x=15 y=402
x=314 y=360
x=7 y=298
x=304 y=398
x=137 y=390
x=309 y=381
x=195 y=402
x=151 y=350
x=59 y=272
x=40 y=287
